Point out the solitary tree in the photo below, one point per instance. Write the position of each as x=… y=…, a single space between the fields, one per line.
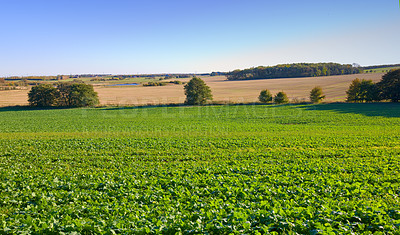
x=265 y=96
x=390 y=85
x=281 y=98
x=316 y=95
x=43 y=95
x=197 y=92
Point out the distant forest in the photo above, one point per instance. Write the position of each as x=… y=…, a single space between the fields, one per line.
x=381 y=66
x=293 y=70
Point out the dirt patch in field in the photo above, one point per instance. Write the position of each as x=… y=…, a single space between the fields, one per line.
x=334 y=88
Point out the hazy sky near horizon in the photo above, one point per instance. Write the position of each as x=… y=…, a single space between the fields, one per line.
x=48 y=37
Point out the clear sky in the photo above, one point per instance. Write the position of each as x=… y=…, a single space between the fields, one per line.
x=50 y=37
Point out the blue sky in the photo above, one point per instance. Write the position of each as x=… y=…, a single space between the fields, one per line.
x=44 y=37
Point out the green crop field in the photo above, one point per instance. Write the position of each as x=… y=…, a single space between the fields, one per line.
x=327 y=169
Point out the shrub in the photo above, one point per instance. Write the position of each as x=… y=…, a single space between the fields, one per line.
x=43 y=95
x=390 y=86
x=281 y=98
x=197 y=92
x=316 y=95
x=265 y=96
x=155 y=84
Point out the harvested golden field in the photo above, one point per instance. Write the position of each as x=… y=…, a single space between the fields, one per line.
x=13 y=97
x=225 y=91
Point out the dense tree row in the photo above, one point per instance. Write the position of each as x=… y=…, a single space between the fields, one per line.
x=367 y=91
x=362 y=91
x=218 y=74
x=293 y=70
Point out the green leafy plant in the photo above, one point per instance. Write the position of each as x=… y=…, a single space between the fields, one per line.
x=247 y=169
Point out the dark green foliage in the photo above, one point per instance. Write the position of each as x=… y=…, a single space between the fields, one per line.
x=162 y=83
x=372 y=91
x=65 y=95
x=155 y=84
x=77 y=95
x=390 y=85
x=265 y=96
x=353 y=93
x=362 y=91
x=43 y=95
x=176 y=82
x=83 y=95
x=197 y=92
x=316 y=95
x=281 y=98
x=64 y=89
x=293 y=70
x=217 y=74
x=380 y=66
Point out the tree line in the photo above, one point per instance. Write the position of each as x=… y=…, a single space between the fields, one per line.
x=293 y=70
x=388 y=88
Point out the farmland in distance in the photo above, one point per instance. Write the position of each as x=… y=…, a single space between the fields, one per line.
x=297 y=89
x=217 y=169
